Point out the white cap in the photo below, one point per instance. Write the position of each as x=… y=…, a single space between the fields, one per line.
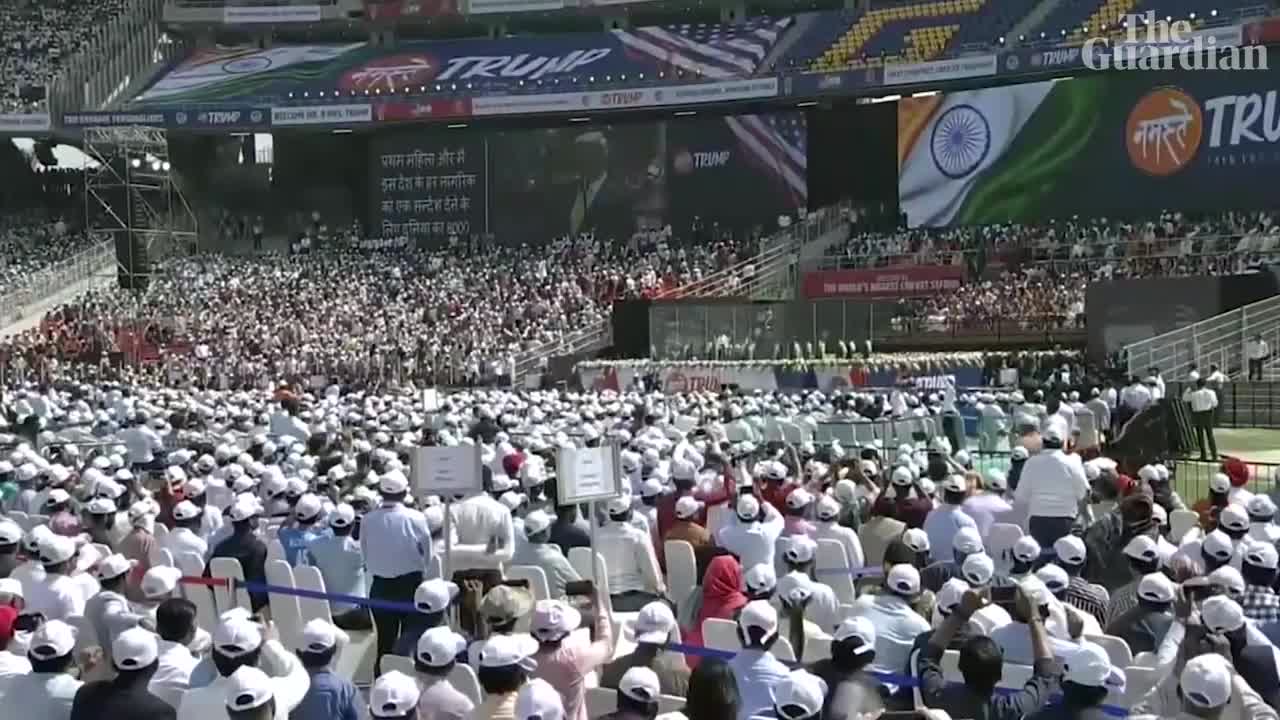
x=244 y=508
x=654 y=624
x=248 y=688
x=650 y=488
x=1054 y=433
x=319 y=635
x=308 y=507
x=1070 y=550
x=800 y=549
x=916 y=539
x=1206 y=681
x=186 y=510
x=504 y=650
x=799 y=498
x=57 y=496
x=1155 y=587
x=618 y=505
x=640 y=684
x=537 y=521
x=1217 y=545
x=1261 y=555
x=393 y=695
x=52 y=640
x=56 y=549
x=794 y=589
x=1261 y=507
x=195 y=487
x=950 y=594
x=901 y=476
x=996 y=480
x=1026 y=549
x=1054 y=578
x=101 y=506
x=688 y=507
x=828 y=508
x=967 y=541
x=1229 y=579
x=236 y=637
x=342 y=515
x=135 y=649
x=954 y=483
x=553 y=619
x=748 y=508
x=1088 y=666
x=1221 y=614
x=113 y=566
x=1144 y=548
x=860 y=628
x=160 y=581
x=10 y=532
x=801 y=689
x=1234 y=517
x=434 y=595
x=11 y=586
x=439 y=646
x=759 y=578
x=1220 y=483
x=393 y=483
x=759 y=614
x=978 y=569
x=537 y=700
x=903 y=579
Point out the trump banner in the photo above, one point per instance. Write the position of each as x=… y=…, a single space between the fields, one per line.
x=890 y=282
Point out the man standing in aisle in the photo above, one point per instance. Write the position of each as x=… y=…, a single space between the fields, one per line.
x=396 y=543
x=1257 y=352
x=1052 y=486
x=1203 y=403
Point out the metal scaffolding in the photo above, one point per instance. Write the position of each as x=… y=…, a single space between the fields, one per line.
x=131 y=198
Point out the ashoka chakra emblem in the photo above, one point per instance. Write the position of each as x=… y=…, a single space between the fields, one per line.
x=960 y=142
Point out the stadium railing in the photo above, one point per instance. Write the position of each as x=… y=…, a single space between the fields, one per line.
x=1219 y=340
x=755 y=278
x=57 y=277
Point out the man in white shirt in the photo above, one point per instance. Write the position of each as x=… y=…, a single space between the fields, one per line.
x=1257 y=352
x=237 y=643
x=634 y=577
x=396 y=543
x=183 y=538
x=142 y=443
x=1156 y=383
x=48 y=691
x=58 y=596
x=1204 y=401
x=176 y=626
x=948 y=517
x=484 y=531
x=753 y=533
x=897 y=624
x=1052 y=486
x=1133 y=399
x=827 y=513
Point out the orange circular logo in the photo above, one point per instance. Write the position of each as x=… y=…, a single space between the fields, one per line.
x=1163 y=132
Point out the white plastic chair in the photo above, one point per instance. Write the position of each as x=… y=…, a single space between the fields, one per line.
x=580 y=559
x=833 y=561
x=682 y=569
x=1001 y=537
x=160 y=533
x=226 y=598
x=284 y=608
x=1117 y=650
x=398 y=662
x=22 y=519
x=601 y=701
x=309 y=578
x=720 y=634
x=192 y=565
x=166 y=559
x=275 y=550
x=463 y=679
x=1181 y=521
x=1138 y=681
x=783 y=650
x=536 y=577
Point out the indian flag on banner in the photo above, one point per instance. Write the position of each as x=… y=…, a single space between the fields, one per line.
x=983 y=156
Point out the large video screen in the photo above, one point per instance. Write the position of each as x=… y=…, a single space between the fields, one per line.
x=530 y=185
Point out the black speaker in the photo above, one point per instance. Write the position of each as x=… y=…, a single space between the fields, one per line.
x=133 y=267
x=631 y=328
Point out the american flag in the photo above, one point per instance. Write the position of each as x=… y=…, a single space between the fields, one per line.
x=725 y=52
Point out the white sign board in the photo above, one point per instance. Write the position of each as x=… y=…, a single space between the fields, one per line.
x=447 y=470
x=430 y=400
x=587 y=475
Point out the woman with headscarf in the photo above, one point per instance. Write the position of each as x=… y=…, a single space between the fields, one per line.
x=722 y=598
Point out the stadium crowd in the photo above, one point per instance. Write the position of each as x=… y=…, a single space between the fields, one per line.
x=29 y=245
x=895 y=565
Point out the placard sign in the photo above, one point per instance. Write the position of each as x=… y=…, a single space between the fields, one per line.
x=587 y=475
x=447 y=470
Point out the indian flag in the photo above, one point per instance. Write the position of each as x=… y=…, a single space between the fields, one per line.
x=982 y=156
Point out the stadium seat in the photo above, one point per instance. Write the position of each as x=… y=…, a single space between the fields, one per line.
x=226 y=598
x=284 y=608
x=1117 y=649
x=306 y=577
x=832 y=560
x=682 y=569
x=192 y=565
x=536 y=577
x=719 y=634
x=1000 y=540
x=1182 y=521
x=463 y=679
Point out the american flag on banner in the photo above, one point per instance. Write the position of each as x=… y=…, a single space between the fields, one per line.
x=725 y=52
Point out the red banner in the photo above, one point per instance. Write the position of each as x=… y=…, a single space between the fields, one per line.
x=892 y=282
x=422 y=110
x=392 y=9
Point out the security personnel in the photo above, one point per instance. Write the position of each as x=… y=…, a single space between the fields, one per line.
x=396 y=544
x=1203 y=403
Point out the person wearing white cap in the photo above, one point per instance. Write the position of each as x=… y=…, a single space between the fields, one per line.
x=638 y=695
x=801 y=695
x=246 y=546
x=850 y=688
x=654 y=626
x=685 y=524
x=635 y=579
x=10 y=537
x=1262 y=516
x=891 y=611
x=396 y=543
x=828 y=527
x=134 y=653
x=504 y=663
x=139 y=545
x=981 y=665
x=752 y=534
x=48 y=691
x=176 y=627
x=1080 y=593
x=306 y=528
x=432 y=598
x=434 y=659
x=1016 y=638
x=1145 y=625
x=987 y=505
x=537 y=700
x=1260 y=602
x=965 y=542
x=105 y=524
x=58 y=596
x=1206 y=687
x=330 y=696
x=238 y=644
x=196 y=491
x=563 y=660
x=338 y=558
x=1026 y=554
x=755 y=667
x=1052 y=488
x=249 y=695
x=108 y=611
x=538 y=551
x=948 y=517
x=1087 y=679
x=185 y=536
x=142 y=443
x=1143 y=556
x=799 y=558
x=486 y=533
